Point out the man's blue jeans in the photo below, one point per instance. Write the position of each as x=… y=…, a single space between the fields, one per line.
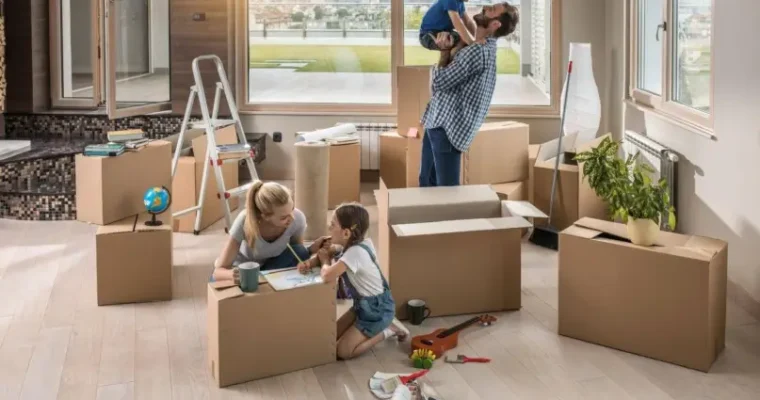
x=441 y=162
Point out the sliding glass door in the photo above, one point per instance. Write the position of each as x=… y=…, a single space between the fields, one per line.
x=137 y=57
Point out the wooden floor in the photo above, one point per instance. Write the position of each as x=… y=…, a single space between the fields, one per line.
x=56 y=343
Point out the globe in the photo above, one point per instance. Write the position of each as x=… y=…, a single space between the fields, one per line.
x=157 y=200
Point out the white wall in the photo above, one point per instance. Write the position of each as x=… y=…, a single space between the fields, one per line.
x=719 y=180
x=159 y=33
x=581 y=23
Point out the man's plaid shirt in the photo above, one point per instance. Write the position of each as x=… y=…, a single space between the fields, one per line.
x=462 y=92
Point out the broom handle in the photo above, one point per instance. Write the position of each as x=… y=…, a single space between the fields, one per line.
x=559 y=145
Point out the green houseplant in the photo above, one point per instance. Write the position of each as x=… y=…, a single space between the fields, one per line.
x=628 y=189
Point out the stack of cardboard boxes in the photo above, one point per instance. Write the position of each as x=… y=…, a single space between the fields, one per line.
x=134 y=261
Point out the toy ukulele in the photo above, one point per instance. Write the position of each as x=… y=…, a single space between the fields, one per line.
x=442 y=340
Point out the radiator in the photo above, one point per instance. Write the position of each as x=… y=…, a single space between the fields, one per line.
x=662 y=159
x=369 y=136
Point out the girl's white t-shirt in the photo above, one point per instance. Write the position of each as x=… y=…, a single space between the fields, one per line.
x=362 y=271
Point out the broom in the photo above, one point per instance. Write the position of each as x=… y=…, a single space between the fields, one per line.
x=548 y=236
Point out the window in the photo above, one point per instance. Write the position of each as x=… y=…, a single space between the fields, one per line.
x=671 y=69
x=339 y=55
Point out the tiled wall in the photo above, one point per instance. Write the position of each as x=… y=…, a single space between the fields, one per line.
x=2 y=60
x=66 y=126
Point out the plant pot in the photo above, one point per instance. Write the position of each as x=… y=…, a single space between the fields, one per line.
x=642 y=232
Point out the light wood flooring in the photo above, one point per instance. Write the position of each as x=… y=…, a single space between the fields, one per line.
x=56 y=343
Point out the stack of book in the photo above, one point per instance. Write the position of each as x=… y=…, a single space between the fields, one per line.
x=104 y=150
x=124 y=136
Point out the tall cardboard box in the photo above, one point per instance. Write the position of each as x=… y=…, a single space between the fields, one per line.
x=134 y=261
x=413 y=91
x=268 y=332
x=451 y=247
x=400 y=160
x=574 y=198
x=109 y=189
x=666 y=302
x=187 y=184
x=499 y=153
x=344 y=175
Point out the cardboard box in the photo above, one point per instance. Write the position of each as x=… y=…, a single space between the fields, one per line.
x=134 y=261
x=666 y=302
x=109 y=189
x=266 y=333
x=186 y=186
x=532 y=155
x=344 y=174
x=574 y=198
x=510 y=191
x=413 y=91
x=451 y=247
x=499 y=153
x=400 y=160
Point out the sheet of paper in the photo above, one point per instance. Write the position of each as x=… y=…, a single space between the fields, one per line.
x=291 y=278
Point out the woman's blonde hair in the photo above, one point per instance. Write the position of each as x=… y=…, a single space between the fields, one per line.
x=261 y=200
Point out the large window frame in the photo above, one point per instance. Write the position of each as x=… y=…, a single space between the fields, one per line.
x=397 y=59
x=665 y=105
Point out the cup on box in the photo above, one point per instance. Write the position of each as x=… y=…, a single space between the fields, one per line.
x=417 y=311
x=249 y=276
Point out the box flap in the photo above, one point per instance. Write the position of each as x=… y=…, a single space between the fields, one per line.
x=548 y=150
x=228 y=293
x=512 y=208
x=222 y=284
x=413 y=205
x=122 y=226
x=696 y=247
x=460 y=226
x=501 y=125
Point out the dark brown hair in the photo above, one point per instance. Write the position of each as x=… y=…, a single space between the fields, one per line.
x=355 y=218
x=509 y=20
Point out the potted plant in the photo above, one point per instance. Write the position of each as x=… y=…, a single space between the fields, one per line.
x=627 y=187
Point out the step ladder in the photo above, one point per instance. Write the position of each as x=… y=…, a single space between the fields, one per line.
x=217 y=155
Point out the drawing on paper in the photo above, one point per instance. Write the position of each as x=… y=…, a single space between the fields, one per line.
x=291 y=278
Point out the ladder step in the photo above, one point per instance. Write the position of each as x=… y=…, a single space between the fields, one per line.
x=219 y=123
x=238 y=191
x=233 y=148
x=185 y=211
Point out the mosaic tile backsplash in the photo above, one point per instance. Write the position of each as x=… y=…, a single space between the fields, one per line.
x=94 y=127
x=40 y=184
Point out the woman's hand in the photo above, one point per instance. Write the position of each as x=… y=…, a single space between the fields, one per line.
x=320 y=243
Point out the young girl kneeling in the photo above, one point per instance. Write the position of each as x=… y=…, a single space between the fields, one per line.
x=373 y=304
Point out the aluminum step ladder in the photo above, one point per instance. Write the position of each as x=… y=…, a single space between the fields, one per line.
x=217 y=155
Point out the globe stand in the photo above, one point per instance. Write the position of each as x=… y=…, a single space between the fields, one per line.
x=153 y=221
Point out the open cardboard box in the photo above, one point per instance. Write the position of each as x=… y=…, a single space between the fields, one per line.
x=268 y=332
x=413 y=94
x=186 y=185
x=574 y=198
x=666 y=302
x=109 y=189
x=451 y=247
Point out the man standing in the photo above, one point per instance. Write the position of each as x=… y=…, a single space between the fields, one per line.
x=462 y=87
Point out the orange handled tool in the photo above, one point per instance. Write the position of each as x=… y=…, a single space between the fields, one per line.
x=461 y=359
